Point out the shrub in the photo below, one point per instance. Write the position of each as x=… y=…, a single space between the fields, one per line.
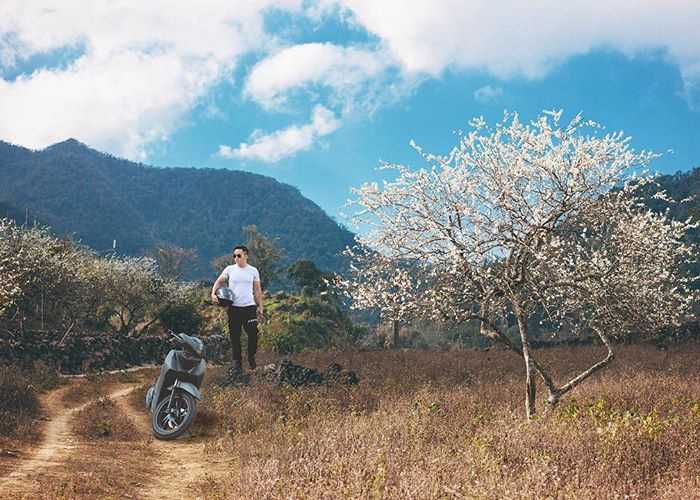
x=19 y=401
x=182 y=317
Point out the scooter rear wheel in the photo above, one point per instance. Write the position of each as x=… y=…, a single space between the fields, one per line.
x=170 y=422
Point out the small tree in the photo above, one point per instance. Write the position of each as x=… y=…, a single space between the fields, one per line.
x=131 y=287
x=390 y=286
x=264 y=254
x=304 y=273
x=524 y=218
x=11 y=266
x=173 y=261
x=219 y=263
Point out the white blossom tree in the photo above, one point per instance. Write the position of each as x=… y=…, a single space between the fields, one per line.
x=57 y=285
x=41 y=277
x=389 y=286
x=10 y=267
x=131 y=285
x=533 y=217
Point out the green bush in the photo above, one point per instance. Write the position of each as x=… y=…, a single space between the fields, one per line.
x=182 y=317
x=285 y=343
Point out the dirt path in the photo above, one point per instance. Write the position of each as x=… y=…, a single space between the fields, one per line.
x=56 y=444
x=181 y=464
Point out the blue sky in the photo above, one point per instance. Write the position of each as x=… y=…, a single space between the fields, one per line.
x=317 y=93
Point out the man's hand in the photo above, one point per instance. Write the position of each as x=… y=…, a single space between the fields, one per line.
x=214 y=298
x=261 y=316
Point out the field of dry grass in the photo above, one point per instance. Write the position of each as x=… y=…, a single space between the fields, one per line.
x=450 y=425
x=420 y=424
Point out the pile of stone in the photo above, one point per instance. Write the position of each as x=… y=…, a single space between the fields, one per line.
x=288 y=373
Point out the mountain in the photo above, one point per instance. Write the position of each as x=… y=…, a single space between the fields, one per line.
x=98 y=198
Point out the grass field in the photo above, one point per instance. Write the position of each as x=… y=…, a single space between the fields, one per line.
x=450 y=425
x=420 y=424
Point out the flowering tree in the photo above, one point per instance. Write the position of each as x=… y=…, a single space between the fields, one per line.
x=131 y=285
x=10 y=266
x=524 y=218
x=390 y=286
x=41 y=277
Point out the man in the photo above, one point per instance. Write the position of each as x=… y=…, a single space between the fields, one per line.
x=247 y=309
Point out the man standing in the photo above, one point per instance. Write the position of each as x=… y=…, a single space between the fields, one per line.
x=247 y=309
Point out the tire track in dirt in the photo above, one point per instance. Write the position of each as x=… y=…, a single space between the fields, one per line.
x=56 y=444
x=180 y=464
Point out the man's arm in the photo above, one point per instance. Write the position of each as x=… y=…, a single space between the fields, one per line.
x=257 y=289
x=217 y=284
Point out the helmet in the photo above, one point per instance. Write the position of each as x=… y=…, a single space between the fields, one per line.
x=225 y=296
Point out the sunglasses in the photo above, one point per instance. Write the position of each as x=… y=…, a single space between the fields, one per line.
x=238 y=255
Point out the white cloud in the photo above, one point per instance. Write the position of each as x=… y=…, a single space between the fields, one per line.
x=512 y=38
x=271 y=148
x=143 y=67
x=487 y=94
x=344 y=69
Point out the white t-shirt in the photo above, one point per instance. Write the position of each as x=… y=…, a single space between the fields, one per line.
x=240 y=280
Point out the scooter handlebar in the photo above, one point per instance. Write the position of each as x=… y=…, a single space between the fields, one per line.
x=187 y=341
x=175 y=335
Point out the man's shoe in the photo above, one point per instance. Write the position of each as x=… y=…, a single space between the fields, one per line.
x=251 y=363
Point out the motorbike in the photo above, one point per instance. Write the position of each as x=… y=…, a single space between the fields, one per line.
x=172 y=400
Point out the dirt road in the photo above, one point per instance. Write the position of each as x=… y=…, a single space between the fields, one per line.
x=176 y=470
x=56 y=444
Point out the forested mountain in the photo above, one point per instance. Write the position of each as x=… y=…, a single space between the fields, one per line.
x=98 y=198
x=684 y=188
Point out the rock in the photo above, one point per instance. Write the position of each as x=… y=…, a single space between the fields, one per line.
x=296 y=375
x=288 y=373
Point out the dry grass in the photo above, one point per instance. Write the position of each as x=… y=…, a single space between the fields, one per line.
x=104 y=420
x=94 y=386
x=449 y=425
x=116 y=471
x=19 y=406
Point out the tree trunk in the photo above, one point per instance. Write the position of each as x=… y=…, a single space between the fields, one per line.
x=395 y=326
x=530 y=388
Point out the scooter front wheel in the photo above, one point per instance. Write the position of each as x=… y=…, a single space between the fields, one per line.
x=173 y=417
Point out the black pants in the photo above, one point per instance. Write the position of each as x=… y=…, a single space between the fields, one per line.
x=238 y=318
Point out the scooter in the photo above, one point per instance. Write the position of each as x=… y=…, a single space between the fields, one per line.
x=172 y=400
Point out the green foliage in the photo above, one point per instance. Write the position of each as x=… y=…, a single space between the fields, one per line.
x=183 y=317
x=301 y=322
x=219 y=263
x=55 y=285
x=305 y=274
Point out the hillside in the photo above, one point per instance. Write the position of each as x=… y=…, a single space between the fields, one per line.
x=99 y=198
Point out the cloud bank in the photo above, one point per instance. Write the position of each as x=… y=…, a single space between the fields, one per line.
x=271 y=148
x=141 y=68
